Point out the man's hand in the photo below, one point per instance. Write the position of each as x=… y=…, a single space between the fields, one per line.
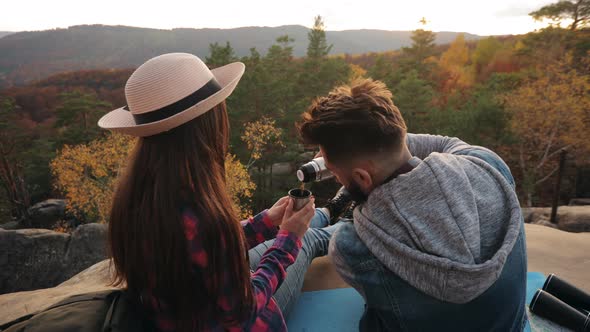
x=276 y=212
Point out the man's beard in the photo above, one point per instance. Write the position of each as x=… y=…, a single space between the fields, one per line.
x=356 y=193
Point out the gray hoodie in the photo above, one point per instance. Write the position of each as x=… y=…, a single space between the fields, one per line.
x=446 y=227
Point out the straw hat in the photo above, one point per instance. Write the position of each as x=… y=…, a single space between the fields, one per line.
x=169 y=90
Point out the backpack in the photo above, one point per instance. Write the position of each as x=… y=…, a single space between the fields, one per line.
x=104 y=311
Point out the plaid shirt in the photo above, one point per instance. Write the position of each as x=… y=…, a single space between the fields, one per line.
x=270 y=273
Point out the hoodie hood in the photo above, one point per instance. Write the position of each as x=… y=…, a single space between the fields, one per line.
x=446 y=227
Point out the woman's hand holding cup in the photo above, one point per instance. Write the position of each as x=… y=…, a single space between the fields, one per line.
x=298 y=221
x=276 y=212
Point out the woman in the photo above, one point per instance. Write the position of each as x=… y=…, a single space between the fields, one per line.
x=174 y=238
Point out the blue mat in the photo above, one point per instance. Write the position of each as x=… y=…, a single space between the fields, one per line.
x=327 y=310
x=534 y=281
x=341 y=309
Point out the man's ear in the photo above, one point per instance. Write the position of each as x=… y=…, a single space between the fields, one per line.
x=363 y=179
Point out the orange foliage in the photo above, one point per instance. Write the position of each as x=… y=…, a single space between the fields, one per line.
x=239 y=185
x=261 y=136
x=550 y=113
x=87 y=175
x=453 y=73
x=39 y=100
x=356 y=72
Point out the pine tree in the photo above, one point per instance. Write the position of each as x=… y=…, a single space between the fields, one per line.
x=318 y=45
x=220 y=55
x=423 y=47
x=413 y=96
x=422 y=44
x=280 y=68
x=77 y=117
x=319 y=73
x=577 y=11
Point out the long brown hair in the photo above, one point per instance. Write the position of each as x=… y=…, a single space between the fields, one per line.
x=166 y=172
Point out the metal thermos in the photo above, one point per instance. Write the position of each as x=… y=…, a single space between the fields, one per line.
x=314 y=171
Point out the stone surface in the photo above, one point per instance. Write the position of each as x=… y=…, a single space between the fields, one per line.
x=549 y=251
x=574 y=218
x=569 y=218
x=10 y=225
x=46 y=213
x=544 y=221
x=563 y=253
x=283 y=169
x=40 y=258
x=87 y=246
x=579 y=201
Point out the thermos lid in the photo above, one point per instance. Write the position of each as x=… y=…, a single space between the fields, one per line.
x=306 y=173
x=300 y=175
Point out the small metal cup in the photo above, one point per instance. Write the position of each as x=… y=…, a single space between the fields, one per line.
x=299 y=197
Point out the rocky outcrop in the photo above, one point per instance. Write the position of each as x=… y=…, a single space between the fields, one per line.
x=10 y=225
x=46 y=213
x=40 y=258
x=579 y=201
x=279 y=169
x=569 y=218
x=549 y=251
x=574 y=218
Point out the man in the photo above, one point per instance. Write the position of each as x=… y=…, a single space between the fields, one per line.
x=437 y=240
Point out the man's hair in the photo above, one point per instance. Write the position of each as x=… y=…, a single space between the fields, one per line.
x=354 y=120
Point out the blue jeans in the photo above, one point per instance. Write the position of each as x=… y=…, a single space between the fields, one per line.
x=315 y=244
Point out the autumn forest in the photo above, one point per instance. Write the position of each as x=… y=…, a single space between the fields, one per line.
x=525 y=96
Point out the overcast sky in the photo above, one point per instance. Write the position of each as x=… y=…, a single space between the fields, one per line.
x=474 y=16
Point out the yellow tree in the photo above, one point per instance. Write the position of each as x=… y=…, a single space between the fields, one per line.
x=264 y=141
x=454 y=74
x=454 y=63
x=261 y=137
x=491 y=55
x=484 y=53
x=87 y=175
x=239 y=185
x=550 y=113
x=457 y=55
x=356 y=72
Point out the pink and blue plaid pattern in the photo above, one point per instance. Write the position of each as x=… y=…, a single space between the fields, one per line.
x=270 y=273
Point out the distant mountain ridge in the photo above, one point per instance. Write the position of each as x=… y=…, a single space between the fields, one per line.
x=5 y=33
x=33 y=55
